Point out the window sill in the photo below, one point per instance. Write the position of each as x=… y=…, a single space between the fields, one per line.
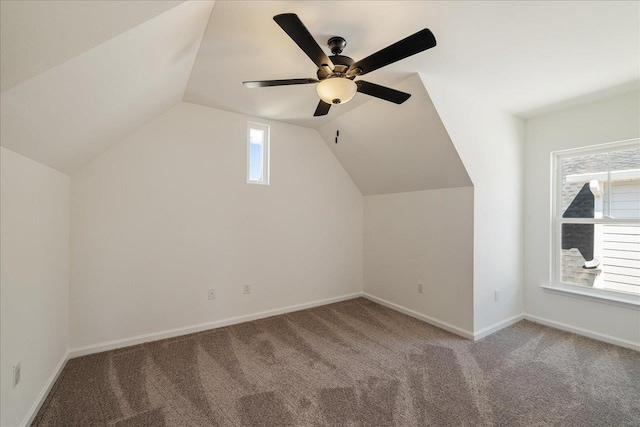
x=599 y=295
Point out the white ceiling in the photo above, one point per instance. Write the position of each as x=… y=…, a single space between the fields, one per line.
x=77 y=77
x=35 y=36
x=406 y=149
x=523 y=57
x=71 y=113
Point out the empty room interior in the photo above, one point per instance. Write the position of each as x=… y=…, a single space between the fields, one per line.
x=320 y=213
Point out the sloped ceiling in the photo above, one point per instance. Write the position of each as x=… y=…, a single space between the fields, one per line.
x=77 y=77
x=520 y=56
x=69 y=114
x=391 y=150
x=35 y=36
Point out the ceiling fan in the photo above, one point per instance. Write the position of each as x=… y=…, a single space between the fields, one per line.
x=336 y=73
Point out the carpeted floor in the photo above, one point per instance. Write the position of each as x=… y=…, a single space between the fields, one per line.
x=351 y=363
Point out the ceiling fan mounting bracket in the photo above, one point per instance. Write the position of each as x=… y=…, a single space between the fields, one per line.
x=337 y=44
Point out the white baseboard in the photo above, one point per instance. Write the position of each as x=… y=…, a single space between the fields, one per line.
x=155 y=336
x=497 y=326
x=503 y=324
x=140 y=339
x=584 y=332
x=430 y=320
x=42 y=396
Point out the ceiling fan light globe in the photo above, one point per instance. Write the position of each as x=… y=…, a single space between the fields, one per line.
x=336 y=90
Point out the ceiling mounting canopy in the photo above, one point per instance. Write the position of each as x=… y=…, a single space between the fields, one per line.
x=337 y=73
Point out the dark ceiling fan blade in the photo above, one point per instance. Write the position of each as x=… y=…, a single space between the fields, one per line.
x=293 y=26
x=322 y=109
x=285 y=82
x=382 y=92
x=416 y=43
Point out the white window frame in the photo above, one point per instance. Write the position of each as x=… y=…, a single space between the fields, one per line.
x=605 y=295
x=266 y=151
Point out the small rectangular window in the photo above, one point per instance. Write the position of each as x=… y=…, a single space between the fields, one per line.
x=257 y=154
x=597 y=217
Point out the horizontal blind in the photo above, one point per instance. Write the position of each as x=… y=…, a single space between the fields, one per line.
x=621 y=257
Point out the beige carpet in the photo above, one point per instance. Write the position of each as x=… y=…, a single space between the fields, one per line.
x=351 y=363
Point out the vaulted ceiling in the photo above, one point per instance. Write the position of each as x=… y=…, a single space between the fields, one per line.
x=519 y=56
x=377 y=155
x=38 y=35
x=77 y=77
x=70 y=113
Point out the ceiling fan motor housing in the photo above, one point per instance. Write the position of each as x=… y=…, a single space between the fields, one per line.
x=341 y=64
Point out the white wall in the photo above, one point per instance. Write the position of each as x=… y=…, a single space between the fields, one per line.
x=490 y=144
x=427 y=237
x=610 y=120
x=167 y=214
x=34 y=274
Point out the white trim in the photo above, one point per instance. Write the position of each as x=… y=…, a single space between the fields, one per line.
x=584 y=332
x=430 y=320
x=556 y=217
x=629 y=174
x=497 y=326
x=618 y=298
x=42 y=396
x=266 y=153
x=170 y=333
x=556 y=202
x=605 y=220
x=504 y=323
x=597 y=148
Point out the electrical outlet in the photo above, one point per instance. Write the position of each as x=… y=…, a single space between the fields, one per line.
x=420 y=288
x=212 y=294
x=16 y=374
x=496 y=296
x=247 y=289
